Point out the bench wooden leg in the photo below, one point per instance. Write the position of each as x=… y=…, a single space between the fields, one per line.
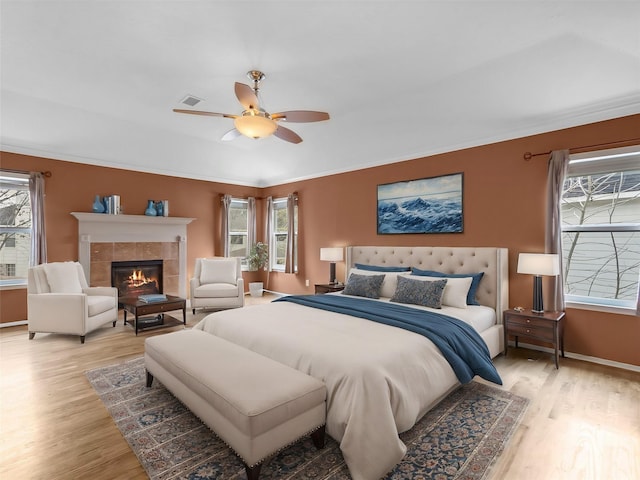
x=318 y=438
x=149 y=379
x=253 y=472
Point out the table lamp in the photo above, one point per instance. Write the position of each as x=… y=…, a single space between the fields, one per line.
x=332 y=254
x=538 y=264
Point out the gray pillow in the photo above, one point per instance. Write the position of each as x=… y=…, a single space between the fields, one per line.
x=364 y=285
x=417 y=292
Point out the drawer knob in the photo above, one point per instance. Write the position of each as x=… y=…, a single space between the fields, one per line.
x=528 y=331
x=528 y=320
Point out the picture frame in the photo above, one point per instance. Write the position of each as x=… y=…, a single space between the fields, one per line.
x=426 y=205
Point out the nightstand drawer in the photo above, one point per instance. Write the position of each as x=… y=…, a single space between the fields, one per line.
x=530 y=322
x=547 y=327
x=537 y=332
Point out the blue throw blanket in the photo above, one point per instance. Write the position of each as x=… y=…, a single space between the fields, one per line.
x=464 y=349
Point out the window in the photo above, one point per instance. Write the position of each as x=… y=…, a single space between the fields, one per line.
x=239 y=229
x=7 y=269
x=15 y=228
x=280 y=232
x=601 y=228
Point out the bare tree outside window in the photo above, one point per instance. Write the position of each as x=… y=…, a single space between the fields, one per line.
x=15 y=228
x=601 y=237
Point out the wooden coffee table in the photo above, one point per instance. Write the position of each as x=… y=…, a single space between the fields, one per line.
x=160 y=319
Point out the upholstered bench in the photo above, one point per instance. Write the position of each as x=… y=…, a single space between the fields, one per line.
x=256 y=405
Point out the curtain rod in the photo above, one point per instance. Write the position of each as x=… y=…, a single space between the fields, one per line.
x=257 y=198
x=528 y=155
x=46 y=173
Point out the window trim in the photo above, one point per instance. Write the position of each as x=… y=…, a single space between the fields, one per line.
x=596 y=307
x=595 y=163
x=243 y=263
x=20 y=181
x=272 y=235
x=273 y=244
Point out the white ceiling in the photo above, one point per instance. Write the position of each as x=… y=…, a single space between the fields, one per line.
x=95 y=81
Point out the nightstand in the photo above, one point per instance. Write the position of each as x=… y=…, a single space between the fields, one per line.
x=329 y=287
x=545 y=327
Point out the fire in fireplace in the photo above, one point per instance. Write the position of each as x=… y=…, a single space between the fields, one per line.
x=137 y=277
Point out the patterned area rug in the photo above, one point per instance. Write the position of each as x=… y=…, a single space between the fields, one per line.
x=458 y=439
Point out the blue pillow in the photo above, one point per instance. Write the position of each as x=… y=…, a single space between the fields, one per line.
x=473 y=289
x=364 y=285
x=419 y=292
x=375 y=268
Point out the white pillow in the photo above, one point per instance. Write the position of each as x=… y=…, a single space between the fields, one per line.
x=455 y=292
x=218 y=271
x=389 y=283
x=62 y=277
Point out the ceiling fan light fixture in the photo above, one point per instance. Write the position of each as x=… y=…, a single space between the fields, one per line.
x=255 y=124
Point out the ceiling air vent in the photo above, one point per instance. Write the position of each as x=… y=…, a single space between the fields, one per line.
x=191 y=100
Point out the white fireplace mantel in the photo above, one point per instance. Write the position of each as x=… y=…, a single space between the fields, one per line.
x=100 y=227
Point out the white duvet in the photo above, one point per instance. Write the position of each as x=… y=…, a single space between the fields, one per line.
x=380 y=379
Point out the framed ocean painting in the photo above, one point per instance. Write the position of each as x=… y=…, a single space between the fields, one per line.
x=427 y=205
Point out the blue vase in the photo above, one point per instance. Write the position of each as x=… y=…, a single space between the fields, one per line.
x=98 y=206
x=151 y=209
x=159 y=209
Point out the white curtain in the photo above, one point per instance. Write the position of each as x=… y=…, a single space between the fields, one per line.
x=290 y=264
x=226 y=204
x=38 y=233
x=556 y=173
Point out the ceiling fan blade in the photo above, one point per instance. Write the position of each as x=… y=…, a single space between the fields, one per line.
x=230 y=135
x=247 y=97
x=301 y=116
x=287 y=135
x=206 y=114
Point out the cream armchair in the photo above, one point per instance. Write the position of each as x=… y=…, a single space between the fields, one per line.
x=60 y=301
x=217 y=283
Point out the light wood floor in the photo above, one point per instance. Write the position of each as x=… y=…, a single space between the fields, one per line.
x=583 y=421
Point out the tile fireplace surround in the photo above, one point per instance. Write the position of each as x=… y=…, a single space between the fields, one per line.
x=105 y=238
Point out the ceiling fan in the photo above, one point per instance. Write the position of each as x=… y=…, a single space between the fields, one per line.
x=255 y=122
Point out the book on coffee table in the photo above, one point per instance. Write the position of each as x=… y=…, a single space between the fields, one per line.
x=153 y=297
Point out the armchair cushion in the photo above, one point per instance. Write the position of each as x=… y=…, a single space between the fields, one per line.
x=62 y=277
x=218 y=271
x=98 y=304
x=216 y=290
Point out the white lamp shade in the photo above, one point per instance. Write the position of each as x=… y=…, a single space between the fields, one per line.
x=539 y=263
x=331 y=254
x=255 y=126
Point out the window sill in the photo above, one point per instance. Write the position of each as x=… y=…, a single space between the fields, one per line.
x=601 y=308
x=14 y=286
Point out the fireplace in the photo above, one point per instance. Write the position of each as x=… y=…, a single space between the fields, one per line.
x=137 y=277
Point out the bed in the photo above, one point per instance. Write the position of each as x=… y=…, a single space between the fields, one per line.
x=380 y=379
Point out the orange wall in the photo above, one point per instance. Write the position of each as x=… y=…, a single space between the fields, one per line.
x=504 y=199
x=503 y=206
x=72 y=187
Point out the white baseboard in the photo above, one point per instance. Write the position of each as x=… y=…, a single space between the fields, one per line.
x=578 y=356
x=14 y=324
x=270 y=291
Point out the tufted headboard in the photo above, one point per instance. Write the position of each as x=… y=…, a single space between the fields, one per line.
x=494 y=286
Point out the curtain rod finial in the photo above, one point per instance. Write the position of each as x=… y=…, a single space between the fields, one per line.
x=527 y=156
